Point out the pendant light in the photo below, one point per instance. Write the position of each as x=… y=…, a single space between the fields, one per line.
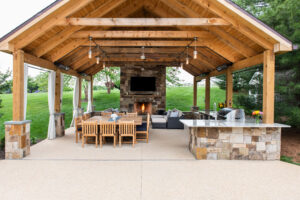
x=90 y=50
x=143 y=57
x=97 y=60
x=187 y=60
x=195 y=50
x=181 y=65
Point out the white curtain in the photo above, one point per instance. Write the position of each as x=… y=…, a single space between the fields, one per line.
x=89 y=105
x=51 y=99
x=61 y=88
x=25 y=89
x=75 y=101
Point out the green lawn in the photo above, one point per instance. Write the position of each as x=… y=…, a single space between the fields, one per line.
x=37 y=108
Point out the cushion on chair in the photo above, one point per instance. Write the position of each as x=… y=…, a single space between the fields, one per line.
x=142 y=127
x=174 y=114
x=79 y=129
x=157 y=116
x=159 y=120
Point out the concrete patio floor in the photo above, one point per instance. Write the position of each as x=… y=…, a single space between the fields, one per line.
x=162 y=169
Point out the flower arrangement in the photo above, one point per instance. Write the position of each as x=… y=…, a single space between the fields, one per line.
x=221 y=105
x=257 y=114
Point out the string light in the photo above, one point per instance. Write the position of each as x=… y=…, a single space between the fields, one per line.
x=195 y=50
x=104 y=65
x=181 y=65
x=187 y=60
x=97 y=60
x=90 y=50
x=143 y=57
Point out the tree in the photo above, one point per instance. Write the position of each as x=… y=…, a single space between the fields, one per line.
x=42 y=81
x=172 y=74
x=5 y=83
x=111 y=77
x=32 y=85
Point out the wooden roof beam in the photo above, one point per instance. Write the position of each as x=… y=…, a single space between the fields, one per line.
x=143 y=34
x=33 y=60
x=142 y=22
x=248 y=62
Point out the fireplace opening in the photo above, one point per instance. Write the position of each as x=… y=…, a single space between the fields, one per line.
x=143 y=108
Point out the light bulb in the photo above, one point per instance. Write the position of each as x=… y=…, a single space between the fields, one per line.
x=195 y=54
x=143 y=57
x=90 y=54
x=181 y=65
x=104 y=65
x=187 y=61
x=97 y=60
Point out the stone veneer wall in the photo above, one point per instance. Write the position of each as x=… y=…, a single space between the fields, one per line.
x=157 y=98
x=235 y=143
x=17 y=139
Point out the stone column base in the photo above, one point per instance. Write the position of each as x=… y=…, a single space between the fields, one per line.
x=17 y=139
x=60 y=124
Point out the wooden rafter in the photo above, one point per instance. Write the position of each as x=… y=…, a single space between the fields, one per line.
x=210 y=5
x=66 y=33
x=46 y=24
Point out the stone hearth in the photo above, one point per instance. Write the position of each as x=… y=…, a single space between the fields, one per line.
x=130 y=99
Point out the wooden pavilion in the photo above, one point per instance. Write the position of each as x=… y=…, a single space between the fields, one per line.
x=225 y=37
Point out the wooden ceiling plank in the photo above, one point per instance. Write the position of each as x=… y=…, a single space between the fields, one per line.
x=41 y=27
x=208 y=4
x=66 y=33
x=98 y=12
x=233 y=42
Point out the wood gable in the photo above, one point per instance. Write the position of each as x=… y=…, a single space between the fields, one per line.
x=226 y=35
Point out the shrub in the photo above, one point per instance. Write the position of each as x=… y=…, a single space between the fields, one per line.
x=247 y=103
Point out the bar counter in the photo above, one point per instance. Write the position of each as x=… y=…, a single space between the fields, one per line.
x=224 y=140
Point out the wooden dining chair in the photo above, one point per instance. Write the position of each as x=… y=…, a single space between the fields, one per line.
x=127 y=129
x=89 y=129
x=86 y=116
x=78 y=128
x=143 y=130
x=106 y=114
x=131 y=114
x=108 y=129
x=120 y=114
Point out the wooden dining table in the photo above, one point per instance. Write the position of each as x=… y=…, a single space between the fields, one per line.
x=138 y=120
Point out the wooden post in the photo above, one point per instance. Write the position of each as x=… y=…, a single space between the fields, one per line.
x=195 y=92
x=92 y=84
x=207 y=94
x=229 y=88
x=18 y=85
x=268 y=87
x=80 y=86
x=57 y=92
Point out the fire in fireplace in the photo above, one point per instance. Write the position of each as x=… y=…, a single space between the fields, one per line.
x=143 y=108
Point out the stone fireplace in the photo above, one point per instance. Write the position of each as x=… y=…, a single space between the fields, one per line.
x=143 y=102
x=143 y=108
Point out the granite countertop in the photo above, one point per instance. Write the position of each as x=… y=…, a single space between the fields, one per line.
x=224 y=124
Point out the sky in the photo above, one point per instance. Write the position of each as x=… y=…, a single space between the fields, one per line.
x=16 y=12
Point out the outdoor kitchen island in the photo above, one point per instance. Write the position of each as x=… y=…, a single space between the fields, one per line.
x=224 y=140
